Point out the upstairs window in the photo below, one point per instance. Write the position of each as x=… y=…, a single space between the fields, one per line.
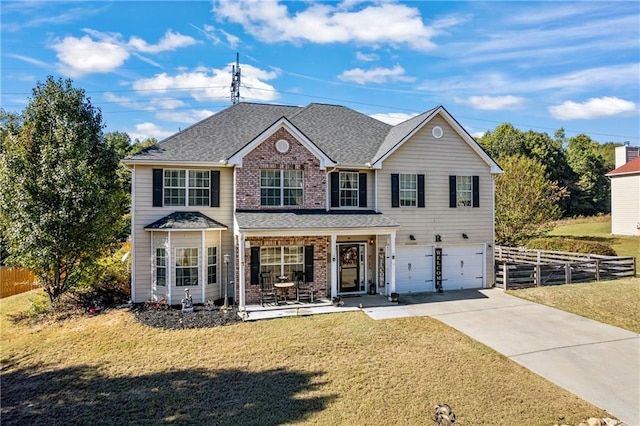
x=408 y=190
x=348 y=189
x=186 y=187
x=464 y=189
x=281 y=187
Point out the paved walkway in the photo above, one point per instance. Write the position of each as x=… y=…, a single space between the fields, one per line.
x=597 y=362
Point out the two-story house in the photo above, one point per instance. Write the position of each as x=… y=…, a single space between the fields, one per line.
x=355 y=203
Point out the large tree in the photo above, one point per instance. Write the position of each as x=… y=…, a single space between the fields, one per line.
x=60 y=200
x=591 y=194
x=526 y=200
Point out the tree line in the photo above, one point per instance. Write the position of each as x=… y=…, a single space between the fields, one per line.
x=546 y=178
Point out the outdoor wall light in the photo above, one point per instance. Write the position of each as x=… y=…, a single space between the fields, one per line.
x=371 y=242
x=465 y=236
x=438 y=238
x=412 y=238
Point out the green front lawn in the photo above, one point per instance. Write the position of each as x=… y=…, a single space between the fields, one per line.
x=336 y=369
x=611 y=302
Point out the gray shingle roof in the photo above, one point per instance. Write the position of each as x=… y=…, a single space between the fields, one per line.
x=344 y=135
x=185 y=221
x=312 y=219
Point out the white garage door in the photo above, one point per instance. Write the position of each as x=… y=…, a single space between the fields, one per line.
x=462 y=267
x=414 y=269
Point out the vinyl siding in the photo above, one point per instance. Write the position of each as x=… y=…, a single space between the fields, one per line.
x=145 y=214
x=437 y=159
x=625 y=205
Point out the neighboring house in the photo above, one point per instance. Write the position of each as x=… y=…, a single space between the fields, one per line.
x=625 y=192
x=355 y=203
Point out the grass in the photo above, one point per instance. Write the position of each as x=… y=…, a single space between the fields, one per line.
x=325 y=369
x=611 y=302
x=599 y=229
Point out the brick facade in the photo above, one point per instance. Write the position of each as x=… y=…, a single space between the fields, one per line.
x=266 y=156
x=320 y=246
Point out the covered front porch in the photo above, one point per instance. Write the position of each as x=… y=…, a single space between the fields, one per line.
x=335 y=254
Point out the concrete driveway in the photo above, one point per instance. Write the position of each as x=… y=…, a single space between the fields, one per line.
x=597 y=362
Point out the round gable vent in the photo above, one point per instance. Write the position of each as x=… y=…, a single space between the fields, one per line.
x=437 y=132
x=282 y=146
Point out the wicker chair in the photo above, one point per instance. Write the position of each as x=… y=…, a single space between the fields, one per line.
x=304 y=290
x=268 y=293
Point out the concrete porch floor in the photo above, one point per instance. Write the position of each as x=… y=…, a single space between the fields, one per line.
x=320 y=306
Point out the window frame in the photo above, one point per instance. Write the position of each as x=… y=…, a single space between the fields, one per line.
x=412 y=200
x=161 y=266
x=282 y=260
x=355 y=201
x=213 y=265
x=189 y=193
x=179 y=267
x=282 y=193
x=464 y=191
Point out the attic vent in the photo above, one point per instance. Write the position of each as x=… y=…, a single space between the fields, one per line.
x=282 y=146
x=437 y=132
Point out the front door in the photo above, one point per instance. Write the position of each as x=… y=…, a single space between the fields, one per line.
x=351 y=277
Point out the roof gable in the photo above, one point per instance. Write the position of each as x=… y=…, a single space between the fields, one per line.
x=405 y=130
x=283 y=122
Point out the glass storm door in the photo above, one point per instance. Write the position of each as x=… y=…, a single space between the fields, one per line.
x=351 y=277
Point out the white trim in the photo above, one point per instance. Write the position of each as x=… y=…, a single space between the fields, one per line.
x=287 y=125
x=393 y=264
x=169 y=262
x=241 y=275
x=205 y=266
x=459 y=129
x=318 y=232
x=185 y=230
x=334 y=265
x=177 y=164
x=154 y=285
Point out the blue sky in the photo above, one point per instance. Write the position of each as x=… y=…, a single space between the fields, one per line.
x=154 y=67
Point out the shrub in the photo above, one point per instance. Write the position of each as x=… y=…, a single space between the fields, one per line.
x=571 y=245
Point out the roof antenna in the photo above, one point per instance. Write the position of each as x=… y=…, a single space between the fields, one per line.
x=235 y=81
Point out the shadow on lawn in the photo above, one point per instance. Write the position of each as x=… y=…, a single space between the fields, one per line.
x=82 y=395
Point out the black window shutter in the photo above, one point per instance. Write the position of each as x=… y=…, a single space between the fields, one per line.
x=215 y=189
x=476 y=191
x=420 y=190
x=335 y=189
x=157 y=187
x=395 y=190
x=362 y=189
x=308 y=263
x=255 y=265
x=452 y=192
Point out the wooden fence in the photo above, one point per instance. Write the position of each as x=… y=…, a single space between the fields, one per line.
x=15 y=281
x=520 y=267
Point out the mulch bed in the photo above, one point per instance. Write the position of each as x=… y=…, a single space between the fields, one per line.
x=174 y=319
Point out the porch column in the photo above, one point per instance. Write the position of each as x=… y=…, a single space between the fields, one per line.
x=334 y=267
x=393 y=262
x=241 y=274
x=203 y=271
x=169 y=263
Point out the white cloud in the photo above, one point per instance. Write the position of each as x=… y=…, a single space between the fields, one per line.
x=493 y=103
x=366 y=57
x=168 y=103
x=593 y=108
x=375 y=75
x=204 y=84
x=100 y=52
x=347 y=22
x=29 y=60
x=393 y=118
x=170 y=41
x=189 y=117
x=147 y=130
x=81 y=56
x=478 y=135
